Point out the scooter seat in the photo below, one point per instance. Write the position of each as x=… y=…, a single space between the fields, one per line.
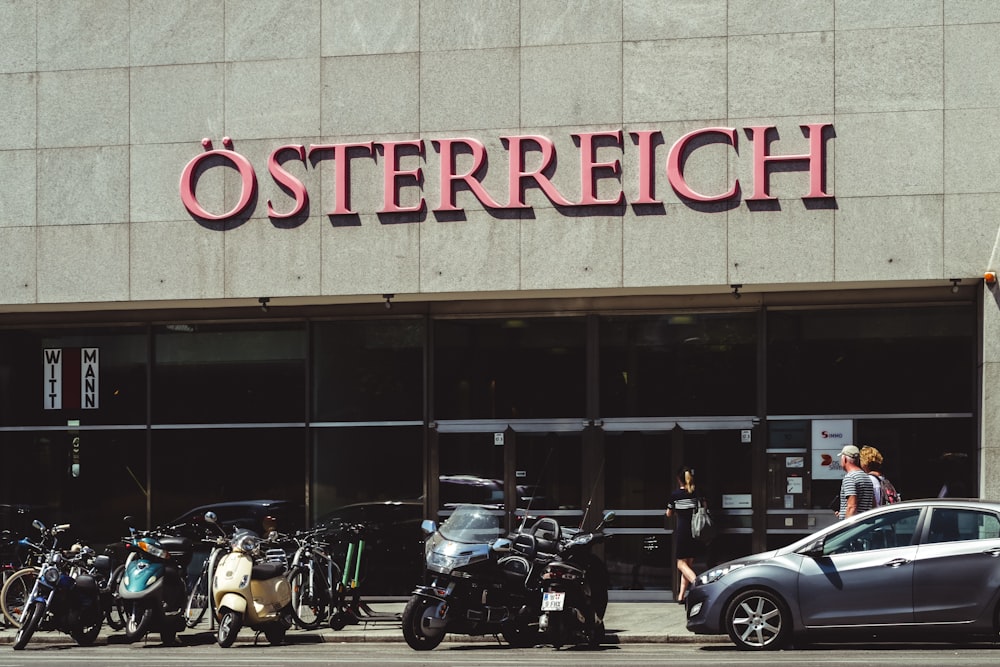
x=262 y=571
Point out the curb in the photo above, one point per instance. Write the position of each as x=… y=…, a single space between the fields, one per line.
x=50 y=637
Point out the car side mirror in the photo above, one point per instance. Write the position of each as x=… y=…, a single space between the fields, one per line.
x=814 y=549
x=429 y=527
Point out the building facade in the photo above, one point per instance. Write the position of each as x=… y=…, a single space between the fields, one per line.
x=532 y=253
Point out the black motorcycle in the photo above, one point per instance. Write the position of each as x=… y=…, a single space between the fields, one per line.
x=575 y=590
x=480 y=583
x=65 y=597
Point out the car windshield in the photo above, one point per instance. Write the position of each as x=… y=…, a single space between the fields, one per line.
x=472 y=524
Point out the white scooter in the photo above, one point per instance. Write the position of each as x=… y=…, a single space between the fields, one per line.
x=250 y=591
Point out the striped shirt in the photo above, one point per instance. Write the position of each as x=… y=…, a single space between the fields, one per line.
x=857 y=483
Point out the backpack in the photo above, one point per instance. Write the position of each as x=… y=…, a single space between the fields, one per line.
x=889 y=494
x=702 y=526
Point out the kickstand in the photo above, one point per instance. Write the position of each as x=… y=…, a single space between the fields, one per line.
x=497 y=637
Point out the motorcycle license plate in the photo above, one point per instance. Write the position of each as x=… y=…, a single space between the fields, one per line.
x=553 y=601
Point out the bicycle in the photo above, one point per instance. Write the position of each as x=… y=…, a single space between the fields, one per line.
x=313 y=574
x=200 y=594
x=18 y=580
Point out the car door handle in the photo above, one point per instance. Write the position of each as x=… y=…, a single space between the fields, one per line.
x=994 y=552
x=896 y=562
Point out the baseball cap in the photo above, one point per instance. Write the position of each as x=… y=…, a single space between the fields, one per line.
x=850 y=451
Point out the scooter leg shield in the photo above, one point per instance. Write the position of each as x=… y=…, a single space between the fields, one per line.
x=237 y=603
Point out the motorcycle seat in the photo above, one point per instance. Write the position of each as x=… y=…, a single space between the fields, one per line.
x=267 y=570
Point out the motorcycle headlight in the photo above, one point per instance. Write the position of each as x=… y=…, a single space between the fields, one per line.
x=445 y=563
x=712 y=576
x=245 y=543
x=51 y=575
x=154 y=550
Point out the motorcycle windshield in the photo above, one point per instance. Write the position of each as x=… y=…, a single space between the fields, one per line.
x=472 y=524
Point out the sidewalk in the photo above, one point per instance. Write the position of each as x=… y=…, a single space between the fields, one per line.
x=625 y=623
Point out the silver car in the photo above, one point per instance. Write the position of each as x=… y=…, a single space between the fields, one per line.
x=923 y=567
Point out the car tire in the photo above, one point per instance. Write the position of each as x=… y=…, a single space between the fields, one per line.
x=758 y=620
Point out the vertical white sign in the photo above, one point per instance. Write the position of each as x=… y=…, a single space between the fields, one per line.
x=52 y=385
x=828 y=437
x=89 y=377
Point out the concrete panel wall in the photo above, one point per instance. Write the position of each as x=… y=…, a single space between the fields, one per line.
x=99 y=129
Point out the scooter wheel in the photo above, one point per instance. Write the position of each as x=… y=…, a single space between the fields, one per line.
x=338 y=621
x=229 y=627
x=138 y=618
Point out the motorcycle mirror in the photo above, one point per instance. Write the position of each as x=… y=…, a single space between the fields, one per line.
x=429 y=527
x=211 y=518
x=129 y=520
x=502 y=545
x=38 y=524
x=609 y=517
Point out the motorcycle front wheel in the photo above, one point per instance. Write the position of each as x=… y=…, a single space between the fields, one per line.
x=138 y=618
x=31 y=622
x=229 y=627
x=416 y=635
x=87 y=635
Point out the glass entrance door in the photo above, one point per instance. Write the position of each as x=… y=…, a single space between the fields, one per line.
x=642 y=458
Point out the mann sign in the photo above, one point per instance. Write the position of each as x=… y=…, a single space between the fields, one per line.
x=72 y=378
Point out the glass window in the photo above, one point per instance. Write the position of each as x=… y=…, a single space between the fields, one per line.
x=678 y=365
x=212 y=373
x=365 y=465
x=89 y=479
x=369 y=370
x=94 y=376
x=883 y=531
x=193 y=467
x=510 y=368
x=471 y=467
x=880 y=360
x=955 y=525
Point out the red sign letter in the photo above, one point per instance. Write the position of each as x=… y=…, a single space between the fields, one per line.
x=646 y=179
x=815 y=156
x=676 y=175
x=391 y=172
x=282 y=177
x=342 y=173
x=518 y=174
x=448 y=175
x=248 y=182
x=588 y=195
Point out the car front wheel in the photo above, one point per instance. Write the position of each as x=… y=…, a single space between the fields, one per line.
x=758 y=620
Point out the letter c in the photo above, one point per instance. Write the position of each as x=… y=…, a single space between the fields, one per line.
x=248 y=183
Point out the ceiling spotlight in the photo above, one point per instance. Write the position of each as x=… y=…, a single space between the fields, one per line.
x=388 y=300
x=263 y=301
x=736 y=291
x=954 y=285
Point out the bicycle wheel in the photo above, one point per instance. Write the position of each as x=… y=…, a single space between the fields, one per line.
x=198 y=601
x=309 y=607
x=115 y=613
x=15 y=592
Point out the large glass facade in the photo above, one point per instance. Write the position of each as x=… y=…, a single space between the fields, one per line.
x=566 y=415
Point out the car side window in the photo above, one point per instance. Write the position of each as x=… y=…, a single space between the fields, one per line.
x=958 y=525
x=883 y=531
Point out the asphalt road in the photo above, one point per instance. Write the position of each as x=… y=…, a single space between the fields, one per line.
x=459 y=655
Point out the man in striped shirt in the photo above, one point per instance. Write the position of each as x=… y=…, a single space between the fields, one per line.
x=857 y=494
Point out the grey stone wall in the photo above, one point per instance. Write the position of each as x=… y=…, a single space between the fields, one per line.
x=105 y=101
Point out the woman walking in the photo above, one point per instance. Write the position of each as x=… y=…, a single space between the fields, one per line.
x=682 y=504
